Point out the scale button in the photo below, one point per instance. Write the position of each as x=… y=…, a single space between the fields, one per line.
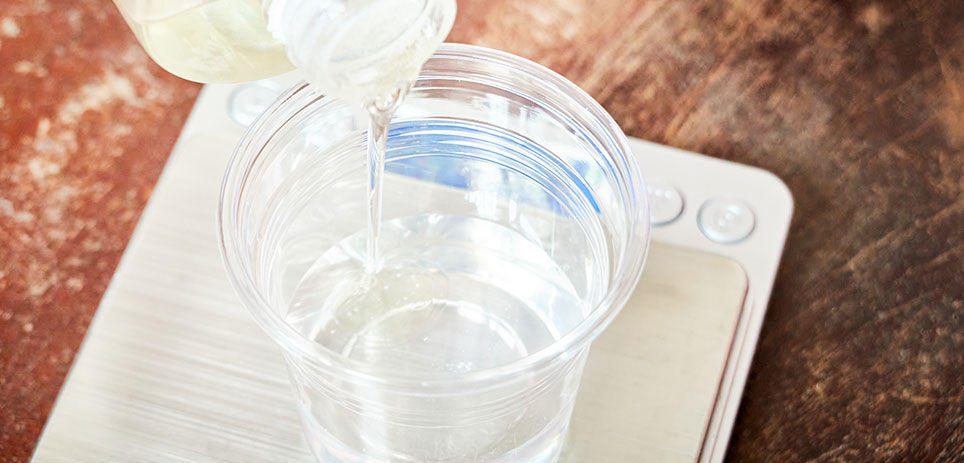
x=249 y=100
x=665 y=202
x=726 y=220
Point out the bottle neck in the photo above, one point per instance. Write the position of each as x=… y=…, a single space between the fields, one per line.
x=361 y=50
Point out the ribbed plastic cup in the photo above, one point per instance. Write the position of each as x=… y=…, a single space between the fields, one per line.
x=516 y=223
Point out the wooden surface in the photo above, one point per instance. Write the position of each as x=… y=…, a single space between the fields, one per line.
x=86 y=124
x=858 y=106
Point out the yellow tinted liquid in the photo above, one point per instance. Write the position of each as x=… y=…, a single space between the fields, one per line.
x=218 y=41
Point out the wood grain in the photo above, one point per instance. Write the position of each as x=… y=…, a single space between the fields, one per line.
x=857 y=105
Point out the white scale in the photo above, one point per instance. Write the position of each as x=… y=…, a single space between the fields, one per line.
x=174 y=369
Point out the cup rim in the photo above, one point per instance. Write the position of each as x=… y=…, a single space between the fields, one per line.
x=296 y=346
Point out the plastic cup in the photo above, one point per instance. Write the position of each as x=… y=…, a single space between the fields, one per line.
x=515 y=221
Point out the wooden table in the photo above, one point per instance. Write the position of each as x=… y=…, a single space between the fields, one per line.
x=858 y=106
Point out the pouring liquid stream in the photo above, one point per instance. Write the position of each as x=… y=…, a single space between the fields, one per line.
x=442 y=292
x=435 y=295
x=380 y=117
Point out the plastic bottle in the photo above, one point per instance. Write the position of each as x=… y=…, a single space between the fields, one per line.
x=355 y=49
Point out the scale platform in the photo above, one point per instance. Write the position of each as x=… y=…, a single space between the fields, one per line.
x=174 y=369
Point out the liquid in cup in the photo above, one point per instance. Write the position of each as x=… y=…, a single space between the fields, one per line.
x=514 y=230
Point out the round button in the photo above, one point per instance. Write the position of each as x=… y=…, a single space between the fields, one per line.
x=726 y=220
x=665 y=202
x=248 y=101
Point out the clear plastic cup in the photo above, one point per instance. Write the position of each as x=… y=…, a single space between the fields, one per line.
x=515 y=226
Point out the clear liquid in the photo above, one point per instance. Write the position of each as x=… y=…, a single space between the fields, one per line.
x=505 y=272
x=377 y=138
x=452 y=295
x=380 y=116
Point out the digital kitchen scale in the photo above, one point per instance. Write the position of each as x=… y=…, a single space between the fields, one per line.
x=174 y=369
